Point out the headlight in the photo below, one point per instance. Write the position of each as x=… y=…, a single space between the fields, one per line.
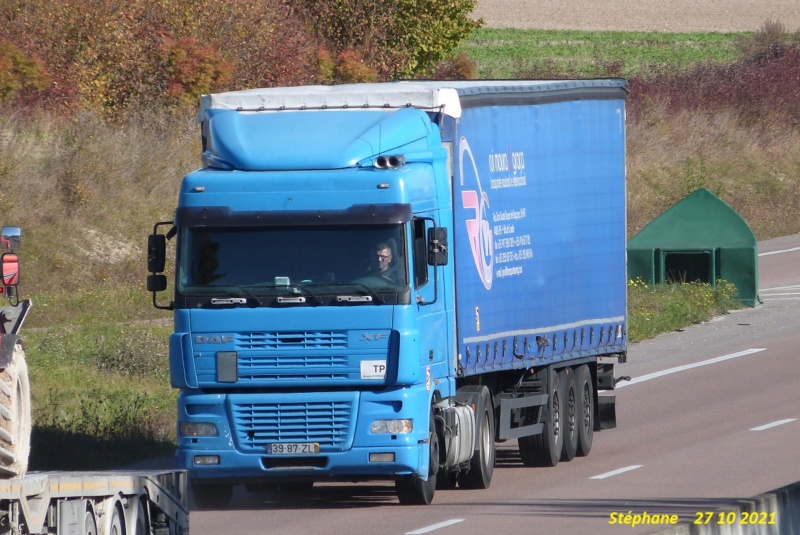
x=206 y=460
x=392 y=427
x=198 y=429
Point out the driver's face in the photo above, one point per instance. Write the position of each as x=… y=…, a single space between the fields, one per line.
x=384 y=258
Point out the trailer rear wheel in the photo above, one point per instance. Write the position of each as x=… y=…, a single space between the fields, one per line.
x=15 y=416
x=481 y=465
x=139 y=521
x=212 y=496
x=570 y=399
x=545 y=449
x=585 y=410
x=413 y=490
x=89 y=522
x=116 y=522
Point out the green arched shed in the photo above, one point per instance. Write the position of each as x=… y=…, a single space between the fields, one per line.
x=700 y=238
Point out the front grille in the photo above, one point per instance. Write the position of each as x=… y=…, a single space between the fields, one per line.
x=327 y=422
x=292 y=361
x=292 y=340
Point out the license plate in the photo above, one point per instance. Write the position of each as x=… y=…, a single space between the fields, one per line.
x=298 y=448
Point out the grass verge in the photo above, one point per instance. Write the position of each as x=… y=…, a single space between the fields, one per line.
x=661 y=308
x=510 y=53
x=100 y=394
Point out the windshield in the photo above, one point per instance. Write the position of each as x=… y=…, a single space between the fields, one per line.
x=312 y=265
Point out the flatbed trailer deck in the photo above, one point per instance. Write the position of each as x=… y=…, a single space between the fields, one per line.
x=102 y=502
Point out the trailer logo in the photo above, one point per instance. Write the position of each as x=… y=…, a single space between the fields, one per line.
x=213 y=339
x=479 y=230
x=500 y=162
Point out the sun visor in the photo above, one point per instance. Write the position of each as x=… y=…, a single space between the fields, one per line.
x=347 y=96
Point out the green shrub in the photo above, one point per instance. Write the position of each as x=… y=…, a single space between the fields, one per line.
x=398 y=38
x=660 y=308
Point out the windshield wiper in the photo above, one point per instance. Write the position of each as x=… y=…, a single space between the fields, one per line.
x=308 y=292
x=250 y=295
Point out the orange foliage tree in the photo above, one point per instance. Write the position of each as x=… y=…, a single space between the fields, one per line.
x=114 y=56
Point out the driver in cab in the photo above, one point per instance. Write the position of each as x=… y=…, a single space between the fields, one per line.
x=384 y=263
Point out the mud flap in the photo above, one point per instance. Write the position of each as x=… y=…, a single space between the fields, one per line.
x=607 y=412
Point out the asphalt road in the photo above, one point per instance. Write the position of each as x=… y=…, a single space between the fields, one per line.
x=711 y=415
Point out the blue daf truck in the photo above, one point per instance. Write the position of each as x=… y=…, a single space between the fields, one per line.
x=382 y=281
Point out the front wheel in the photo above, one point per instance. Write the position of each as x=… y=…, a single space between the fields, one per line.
x=15 y=416
x=413 y=490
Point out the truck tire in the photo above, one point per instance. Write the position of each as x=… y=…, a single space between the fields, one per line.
x=583 y=378
x=116 y=521
x=139 y=522
x=89 y=522
x=413 y=490
x=481 y=465
x=212 y=496
x=570 y=399
x=545 y=449
x=15 y=416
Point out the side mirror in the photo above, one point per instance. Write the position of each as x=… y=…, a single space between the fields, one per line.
x=156 y=253
x=156 y=283
x=437 y=246
x=10 y=267
x=10 y=238
x=156 y=260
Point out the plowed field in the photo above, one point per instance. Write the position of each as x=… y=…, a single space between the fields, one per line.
x=645 y=15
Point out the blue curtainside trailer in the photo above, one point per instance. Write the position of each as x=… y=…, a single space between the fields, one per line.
x=380 y=281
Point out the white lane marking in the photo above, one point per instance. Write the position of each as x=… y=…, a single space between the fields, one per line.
x=781 y=293
x=434 y=527
x=677 y=369
x=774 y=424
x=781 y=251
x=617 y=472
x=792 y=287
